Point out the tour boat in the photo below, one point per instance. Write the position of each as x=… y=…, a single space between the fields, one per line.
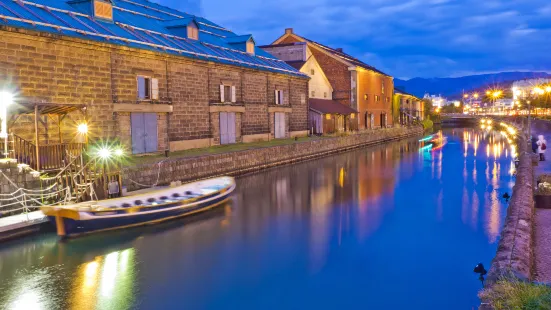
x=141 y=209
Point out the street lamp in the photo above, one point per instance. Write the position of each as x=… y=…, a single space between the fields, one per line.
x=82 y=128
x=5 y=100
x=475 y=95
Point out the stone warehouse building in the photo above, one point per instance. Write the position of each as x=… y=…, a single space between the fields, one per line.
x=156 y=78
x=355 y=83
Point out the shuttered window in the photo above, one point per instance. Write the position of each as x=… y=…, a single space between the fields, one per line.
x=279 y=97
x=103 y=10
x=148 y=88
x=227 y=93
x=192 y=32
x=250 y=47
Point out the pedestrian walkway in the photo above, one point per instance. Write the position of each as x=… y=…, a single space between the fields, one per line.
x=543 y=216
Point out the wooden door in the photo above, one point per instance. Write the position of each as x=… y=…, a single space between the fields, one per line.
x=151 y=137
x=143 y=132
x=279 y=125
x=224 y=128
x=227 y=127
x=137 y=132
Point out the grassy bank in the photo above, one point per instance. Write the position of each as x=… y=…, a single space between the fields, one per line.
x=508 y=294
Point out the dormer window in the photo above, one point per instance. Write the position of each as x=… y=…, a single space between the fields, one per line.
x=250 y=47
x=103 y=9
x=192 y=31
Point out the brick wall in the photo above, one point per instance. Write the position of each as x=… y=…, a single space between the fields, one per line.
x=370 y=84
x=42 y=67
x=187 y=169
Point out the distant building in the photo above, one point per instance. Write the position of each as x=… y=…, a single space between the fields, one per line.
x=437 y=101
x=355 y=84
x=525 y=88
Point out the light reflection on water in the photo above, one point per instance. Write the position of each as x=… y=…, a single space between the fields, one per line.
x=351 y=230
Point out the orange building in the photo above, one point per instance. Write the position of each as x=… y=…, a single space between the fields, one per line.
x=355 y=83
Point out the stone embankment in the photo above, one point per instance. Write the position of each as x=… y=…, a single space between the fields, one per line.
x=240 y=162
x=515 y=254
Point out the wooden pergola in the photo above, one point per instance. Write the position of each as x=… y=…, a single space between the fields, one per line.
x=49 y=156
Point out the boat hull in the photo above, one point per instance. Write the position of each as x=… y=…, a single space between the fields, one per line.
x=73 y=228
x=150 y=208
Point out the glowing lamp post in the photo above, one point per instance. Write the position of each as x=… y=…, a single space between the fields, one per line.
x=5 y=100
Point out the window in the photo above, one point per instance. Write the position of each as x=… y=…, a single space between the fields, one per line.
x=387 y=99
x=227 y=93
x=352 y=116
x=279 y=97
x=313 y=93
x=312 y=72
x=325 y=95
x=327 y=116
x=192 y=31
x=250 y=47
x=103 y=9
x=366 y=97
x=382 y=87
x=148 y=88
x=377 y=98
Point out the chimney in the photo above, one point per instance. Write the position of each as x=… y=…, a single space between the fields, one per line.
x=288 y=30
x=339 y=49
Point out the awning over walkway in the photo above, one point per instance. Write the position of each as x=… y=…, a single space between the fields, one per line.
x=327 y=106
x=45 y=108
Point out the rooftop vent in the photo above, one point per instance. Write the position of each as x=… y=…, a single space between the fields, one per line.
x=288 y=30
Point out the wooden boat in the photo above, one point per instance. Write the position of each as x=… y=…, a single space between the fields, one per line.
x=149 y=208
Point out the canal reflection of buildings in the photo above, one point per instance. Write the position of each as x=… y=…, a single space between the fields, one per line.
x=328 y=194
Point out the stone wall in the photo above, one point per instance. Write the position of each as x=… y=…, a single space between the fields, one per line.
x=515 y=250
x=235 y=163
x=44 y=67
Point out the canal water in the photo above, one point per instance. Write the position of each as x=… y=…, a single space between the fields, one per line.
x=387 y=227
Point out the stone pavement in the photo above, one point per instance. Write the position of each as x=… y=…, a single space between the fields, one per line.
x=543 y=216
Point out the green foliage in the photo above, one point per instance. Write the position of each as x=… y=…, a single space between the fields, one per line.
x=513 y=294
x=427 y=123
x=427 y=104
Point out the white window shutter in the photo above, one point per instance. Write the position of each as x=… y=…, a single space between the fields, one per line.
x=222 y=93
x=276 y=97
x=281 y=100
x=233 y=94
x=155 y=89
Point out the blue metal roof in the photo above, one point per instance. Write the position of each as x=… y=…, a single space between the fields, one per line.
x=140 y=24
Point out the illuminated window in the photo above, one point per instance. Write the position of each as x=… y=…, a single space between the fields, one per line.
x=382 y=87
x=250 y=47
x=192 y=31
x=366 y=97
x=327 y=116
x=103 y=9
x=352 y=116
x=377 y=98
x=312 y=72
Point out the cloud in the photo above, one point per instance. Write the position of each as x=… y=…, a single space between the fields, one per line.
x=406 y=38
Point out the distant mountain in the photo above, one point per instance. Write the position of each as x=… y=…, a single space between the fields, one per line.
x=454 y=87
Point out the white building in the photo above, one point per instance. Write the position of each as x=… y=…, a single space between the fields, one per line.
x=437 y=101
x=526 y=88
